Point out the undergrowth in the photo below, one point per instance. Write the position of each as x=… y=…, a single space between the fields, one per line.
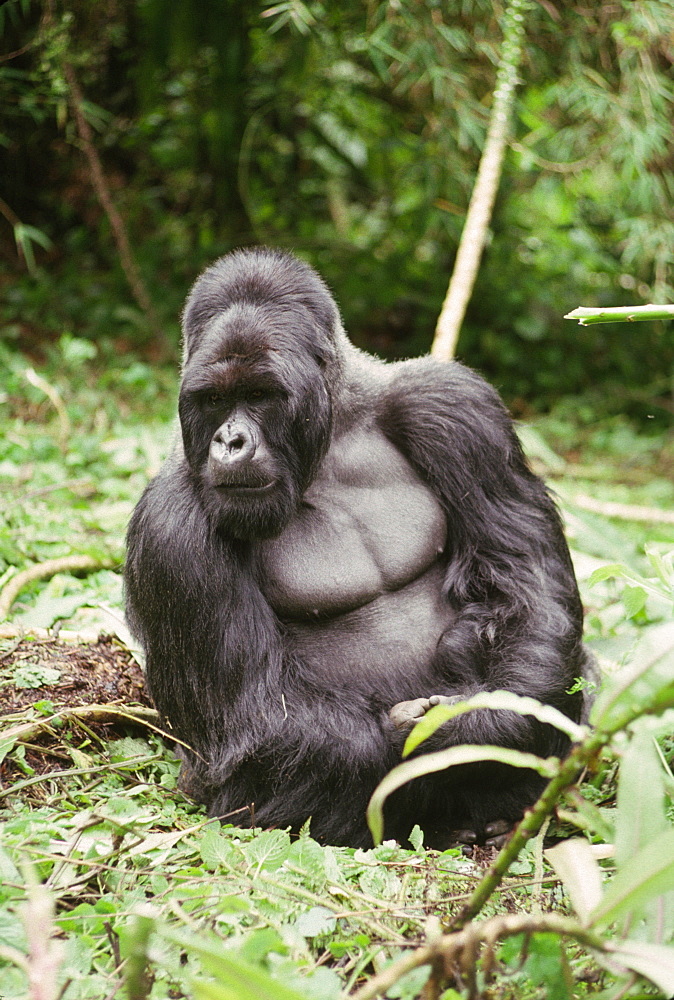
x=114 y=883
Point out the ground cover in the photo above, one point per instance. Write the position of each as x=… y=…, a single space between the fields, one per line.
x=114 y=883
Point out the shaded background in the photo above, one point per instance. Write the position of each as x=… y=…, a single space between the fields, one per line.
x=350 y=133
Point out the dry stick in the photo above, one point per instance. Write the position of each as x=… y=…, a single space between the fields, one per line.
x=148 y=717
x=451 y=948
x=624 y=511
x=89 y=713
x=482 y=199
x=80 y=638
x=102 y=190
x=54 y=398
x=66 y=564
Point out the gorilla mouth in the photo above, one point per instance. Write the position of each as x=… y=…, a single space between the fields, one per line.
x=248 y=489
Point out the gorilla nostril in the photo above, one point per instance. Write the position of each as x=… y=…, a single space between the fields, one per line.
x=236 y=443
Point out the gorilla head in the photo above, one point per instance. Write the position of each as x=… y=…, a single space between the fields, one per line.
x=262 y=361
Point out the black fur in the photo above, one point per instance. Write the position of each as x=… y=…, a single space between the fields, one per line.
x=285 y=705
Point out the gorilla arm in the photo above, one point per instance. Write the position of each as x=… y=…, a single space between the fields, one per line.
x=260 y=727
x=509 y=575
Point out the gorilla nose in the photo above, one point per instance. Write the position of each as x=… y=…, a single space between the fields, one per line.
x=233 y=445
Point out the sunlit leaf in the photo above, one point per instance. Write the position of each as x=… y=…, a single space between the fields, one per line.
x=577 y=867
x=646 y=685
x=653 y=961
x=440 y=761
x=648 y=873
x=504 y=701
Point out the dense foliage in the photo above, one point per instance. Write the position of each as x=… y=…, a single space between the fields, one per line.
x=351 y=133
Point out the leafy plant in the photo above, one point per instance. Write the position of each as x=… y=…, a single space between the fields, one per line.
x=641 y=893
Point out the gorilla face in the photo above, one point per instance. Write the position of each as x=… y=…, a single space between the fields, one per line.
x=256 y=417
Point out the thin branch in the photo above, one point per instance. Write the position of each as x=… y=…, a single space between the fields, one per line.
x=482 y=199
x=449 y=950
x=589 y=315
x=104 y=196
x=570 y=769
x=54 y=398
x=624 y=511
x=102 y=190
x=40 y=571
x=46 y=635
x=9 y=214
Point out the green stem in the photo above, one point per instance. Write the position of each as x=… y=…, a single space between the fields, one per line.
x=587 y=316
x=569 y=772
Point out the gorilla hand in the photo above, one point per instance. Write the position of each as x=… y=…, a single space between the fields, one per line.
x=407 y=713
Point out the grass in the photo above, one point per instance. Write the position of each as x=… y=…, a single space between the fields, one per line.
x=114 y=884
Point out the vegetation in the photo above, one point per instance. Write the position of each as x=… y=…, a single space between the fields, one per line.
x=352 y=134
x=111 y=876
x=143 y=138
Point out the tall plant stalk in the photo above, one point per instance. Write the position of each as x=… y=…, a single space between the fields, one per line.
x=482 y=199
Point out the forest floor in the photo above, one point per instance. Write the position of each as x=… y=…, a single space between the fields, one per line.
x=113 y=881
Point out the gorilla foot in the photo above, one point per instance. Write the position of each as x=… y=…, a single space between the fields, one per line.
x=497 y=833
x=494 y=837
x=406 y=713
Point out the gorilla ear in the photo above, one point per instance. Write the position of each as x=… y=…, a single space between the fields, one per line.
x=323 y=355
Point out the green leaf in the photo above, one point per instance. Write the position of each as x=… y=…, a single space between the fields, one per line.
x=234 y=978
x=577 y=867
x=411 y=985
x=268 y=850
x=547 y=965
x=8 y=870
x=216 y=849
x=307 y=855
x=640 y=816
x=634 y=600
x=662 y=564
x=646 y=685
x=607 y=573
x=259 y=943
x=504 y=701
x=6 y=746
x=316 y=920
x=440 y=761
x=653 y=961
x=648 y=873
x=416 y=838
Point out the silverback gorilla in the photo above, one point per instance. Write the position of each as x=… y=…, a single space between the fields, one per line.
x=333 y=541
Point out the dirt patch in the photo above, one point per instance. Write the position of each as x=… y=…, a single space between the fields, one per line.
x=67 y=674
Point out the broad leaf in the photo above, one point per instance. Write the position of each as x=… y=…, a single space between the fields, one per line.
x=653 y=961
x=640 y=816
x=235 y=979
x=646 y=685
x=440 y=761
x=649 y=873
x=504 y=701
x=577 y=867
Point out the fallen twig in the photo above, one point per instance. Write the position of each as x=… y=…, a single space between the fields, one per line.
x=456 y=951
x=94 y=713
x=65 y=564
x=624 y=511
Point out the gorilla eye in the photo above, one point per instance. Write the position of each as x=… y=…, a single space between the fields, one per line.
x=214 y=399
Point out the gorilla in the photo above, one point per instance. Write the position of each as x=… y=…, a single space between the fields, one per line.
x=334 y=544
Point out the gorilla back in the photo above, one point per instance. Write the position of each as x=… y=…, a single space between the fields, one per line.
x=334 y=541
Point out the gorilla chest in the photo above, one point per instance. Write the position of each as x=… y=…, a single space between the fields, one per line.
x=368 y=527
